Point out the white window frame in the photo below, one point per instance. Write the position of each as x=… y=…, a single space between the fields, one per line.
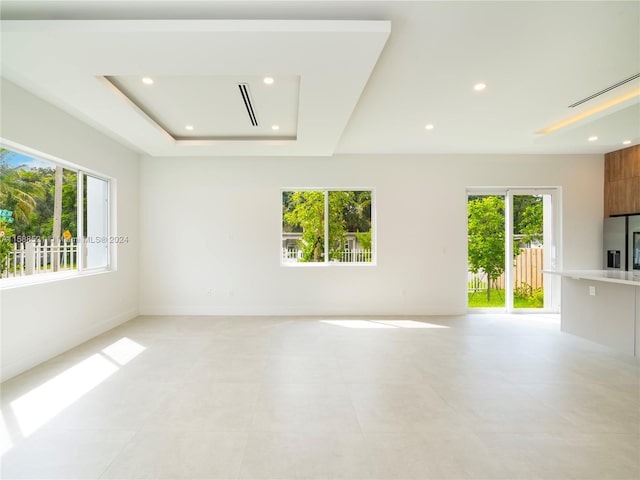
x=326 y=262
x=80 y=270
x=82 y=174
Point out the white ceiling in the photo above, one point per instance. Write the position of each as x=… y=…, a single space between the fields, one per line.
x=356 y=93
x=213 y=106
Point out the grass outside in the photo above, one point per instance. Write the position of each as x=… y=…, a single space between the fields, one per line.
x=479 y=300
x=43 y=268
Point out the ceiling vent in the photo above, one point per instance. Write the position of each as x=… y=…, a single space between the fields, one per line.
x=244 y=91
x=597 y=94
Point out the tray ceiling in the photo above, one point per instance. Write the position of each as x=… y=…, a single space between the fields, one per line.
x=94 y=69
x=216 y=108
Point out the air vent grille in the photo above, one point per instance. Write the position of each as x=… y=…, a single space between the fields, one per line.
x=246 y=97
x=597 y=94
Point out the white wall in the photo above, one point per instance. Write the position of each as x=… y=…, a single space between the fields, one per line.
x=213 y=225
x=211 y=230
x=40 y=321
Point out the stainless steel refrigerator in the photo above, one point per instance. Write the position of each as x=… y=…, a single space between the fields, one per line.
x=622 y=243
x=633 y=242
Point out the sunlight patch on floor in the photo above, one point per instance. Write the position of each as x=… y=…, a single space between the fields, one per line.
x=410 y=324
x=41 y=404
x=5 y=439
x=123 y=351
x=35 y=408
x=356 y=324
x=382 y=324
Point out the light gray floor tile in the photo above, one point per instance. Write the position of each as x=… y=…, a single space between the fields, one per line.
x=214 y=407
x=179 y=455
x=50 y=454
x=485 y=397
x=304 y=408
x=305 y=456
x=427 y=456
x=582 y=456
x=403 y=408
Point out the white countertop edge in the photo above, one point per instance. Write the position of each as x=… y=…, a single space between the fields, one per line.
x=610 y=276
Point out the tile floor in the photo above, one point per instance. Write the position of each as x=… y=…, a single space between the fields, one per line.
x=470 y=397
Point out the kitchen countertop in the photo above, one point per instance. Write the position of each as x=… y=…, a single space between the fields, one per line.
x=610 y=276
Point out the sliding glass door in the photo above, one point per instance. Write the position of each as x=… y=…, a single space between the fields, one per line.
x=512 y=238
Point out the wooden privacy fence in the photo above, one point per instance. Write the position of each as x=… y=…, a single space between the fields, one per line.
x=527 y=269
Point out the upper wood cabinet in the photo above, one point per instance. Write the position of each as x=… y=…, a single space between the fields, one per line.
x=622 y=181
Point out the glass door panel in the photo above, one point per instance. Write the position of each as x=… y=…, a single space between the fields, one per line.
x=528 y=251
x=486 y=251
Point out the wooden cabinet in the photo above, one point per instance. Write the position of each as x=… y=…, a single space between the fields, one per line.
x=622 y=181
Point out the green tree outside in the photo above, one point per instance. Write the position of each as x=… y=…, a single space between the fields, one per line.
x=20 y=191
x=528 y=217
x=348 y=212
x=486 y=245
x=29 y=194
x=6 y=232
x=305 y=210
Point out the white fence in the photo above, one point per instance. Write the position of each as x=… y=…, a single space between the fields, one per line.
x=355 y=256
x=291 y=256
x=476 y=282
x=358 y=255
x=41 y=256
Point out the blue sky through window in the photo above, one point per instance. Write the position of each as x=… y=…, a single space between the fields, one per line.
x=14 y=159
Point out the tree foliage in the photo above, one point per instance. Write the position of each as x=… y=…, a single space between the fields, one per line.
x=19 y=192
x=339 y=202
x=528 y=218
x=486 y=237
x=364 y=238
x=6 y=246
x=29 y=194
x=306 y=211
x=486 y=227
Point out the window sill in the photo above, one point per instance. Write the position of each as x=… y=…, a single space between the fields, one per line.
x=37 y=279
x=327 y=265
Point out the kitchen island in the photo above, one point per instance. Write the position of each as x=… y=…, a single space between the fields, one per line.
x=602 y=306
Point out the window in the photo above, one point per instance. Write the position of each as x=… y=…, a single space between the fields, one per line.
x=327 y=226
x=52 y=218
x=96 y=221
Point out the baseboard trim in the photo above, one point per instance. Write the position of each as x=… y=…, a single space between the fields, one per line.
x=68 y=340
x=285 y=311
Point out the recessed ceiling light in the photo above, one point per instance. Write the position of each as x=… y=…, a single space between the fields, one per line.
x=478 y=87
x=268 y=80
x=147 y=80
x=275 y=127
x=428 y=126
x=593 y=138
x=188 y=127
x=627 y=142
